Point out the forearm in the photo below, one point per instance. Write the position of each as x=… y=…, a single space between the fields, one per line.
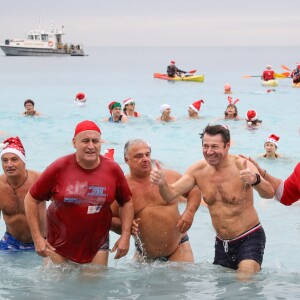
x=264 y=189
x=116 y=225
x=275 y=182
x=193 y=200
x=167 y=193
x=126 y=218
x=32 y=215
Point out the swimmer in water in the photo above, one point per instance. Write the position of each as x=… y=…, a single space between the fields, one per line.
x=271 y=145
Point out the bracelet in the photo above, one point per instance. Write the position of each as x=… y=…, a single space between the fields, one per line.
x=258 y=180
x=264 y=174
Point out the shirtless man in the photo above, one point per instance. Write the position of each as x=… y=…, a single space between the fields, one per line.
x=226 y=182
x=14 y=185
x=160 y=231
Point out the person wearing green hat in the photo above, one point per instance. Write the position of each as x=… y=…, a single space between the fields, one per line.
x=116 y=115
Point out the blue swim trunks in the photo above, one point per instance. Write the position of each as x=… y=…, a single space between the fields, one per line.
x=9 y=243
x=249 y=245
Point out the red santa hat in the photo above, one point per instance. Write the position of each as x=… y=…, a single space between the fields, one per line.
x=196 y=105
x=13 y=145
x=86 y=125
x=128 y=101
x=109 y=153
x=273 y=139
x=80 y=97
x=251 y=115
x=172 y=62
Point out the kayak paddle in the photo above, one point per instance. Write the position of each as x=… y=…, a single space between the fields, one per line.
x=285 y=67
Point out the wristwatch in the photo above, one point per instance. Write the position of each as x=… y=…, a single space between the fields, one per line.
x=258 y=180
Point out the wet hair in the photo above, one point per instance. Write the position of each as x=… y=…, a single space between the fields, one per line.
x=254 y=122
x=231 y=105
x=28 y=101
x=217 y=129
x=134 y=142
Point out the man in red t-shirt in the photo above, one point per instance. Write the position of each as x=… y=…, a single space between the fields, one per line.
x=81 y=187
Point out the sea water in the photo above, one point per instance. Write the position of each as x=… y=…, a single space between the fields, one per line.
x=109 y=74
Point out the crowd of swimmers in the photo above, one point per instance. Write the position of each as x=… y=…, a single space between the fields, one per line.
x=90 y=195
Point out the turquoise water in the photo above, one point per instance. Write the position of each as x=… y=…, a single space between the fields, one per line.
x=109 y=74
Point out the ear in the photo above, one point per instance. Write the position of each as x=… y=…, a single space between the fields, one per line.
x=74 y=142
x=126 y=159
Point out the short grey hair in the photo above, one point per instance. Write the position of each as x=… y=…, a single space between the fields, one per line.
x=135 y=142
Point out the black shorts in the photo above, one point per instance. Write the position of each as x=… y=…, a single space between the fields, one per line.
x=250 y=245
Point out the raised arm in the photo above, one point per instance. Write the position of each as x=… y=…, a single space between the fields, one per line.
x=275 y=182
x=251 y=175
x=170 y=192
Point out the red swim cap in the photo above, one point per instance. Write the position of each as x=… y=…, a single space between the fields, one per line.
x=86 y=125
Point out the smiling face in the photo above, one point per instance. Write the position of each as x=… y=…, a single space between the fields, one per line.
x=231 y=111
x=213 y=149
x=138 y=158
x=88 y=145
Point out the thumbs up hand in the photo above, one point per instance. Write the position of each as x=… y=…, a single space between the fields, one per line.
x=157 y=175
x=246 y=175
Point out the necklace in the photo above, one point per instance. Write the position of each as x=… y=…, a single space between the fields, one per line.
x=15 y=189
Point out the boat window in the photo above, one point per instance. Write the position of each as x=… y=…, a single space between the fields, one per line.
x=37 y=37
x=30 y=37
x=45 y=37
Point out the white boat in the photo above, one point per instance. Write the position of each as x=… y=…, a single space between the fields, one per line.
x=41 y=43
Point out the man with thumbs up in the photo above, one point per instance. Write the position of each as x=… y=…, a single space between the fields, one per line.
x=226 y=182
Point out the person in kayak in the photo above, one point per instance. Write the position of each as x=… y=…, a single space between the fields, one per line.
x=268 y=74
x=296 y=74
x=173 y=71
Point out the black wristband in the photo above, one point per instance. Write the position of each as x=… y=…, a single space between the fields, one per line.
x=258 y=180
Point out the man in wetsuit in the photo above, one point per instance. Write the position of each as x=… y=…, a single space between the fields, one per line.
x=14 y=185
x=82 y=187
x=226 y=182
x=160 y=231
x=173 y=71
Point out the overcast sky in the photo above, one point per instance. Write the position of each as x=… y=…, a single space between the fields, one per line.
x=158 y=23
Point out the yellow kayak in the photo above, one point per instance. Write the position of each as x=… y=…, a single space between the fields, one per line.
x=196 y=78
x=272 y=82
